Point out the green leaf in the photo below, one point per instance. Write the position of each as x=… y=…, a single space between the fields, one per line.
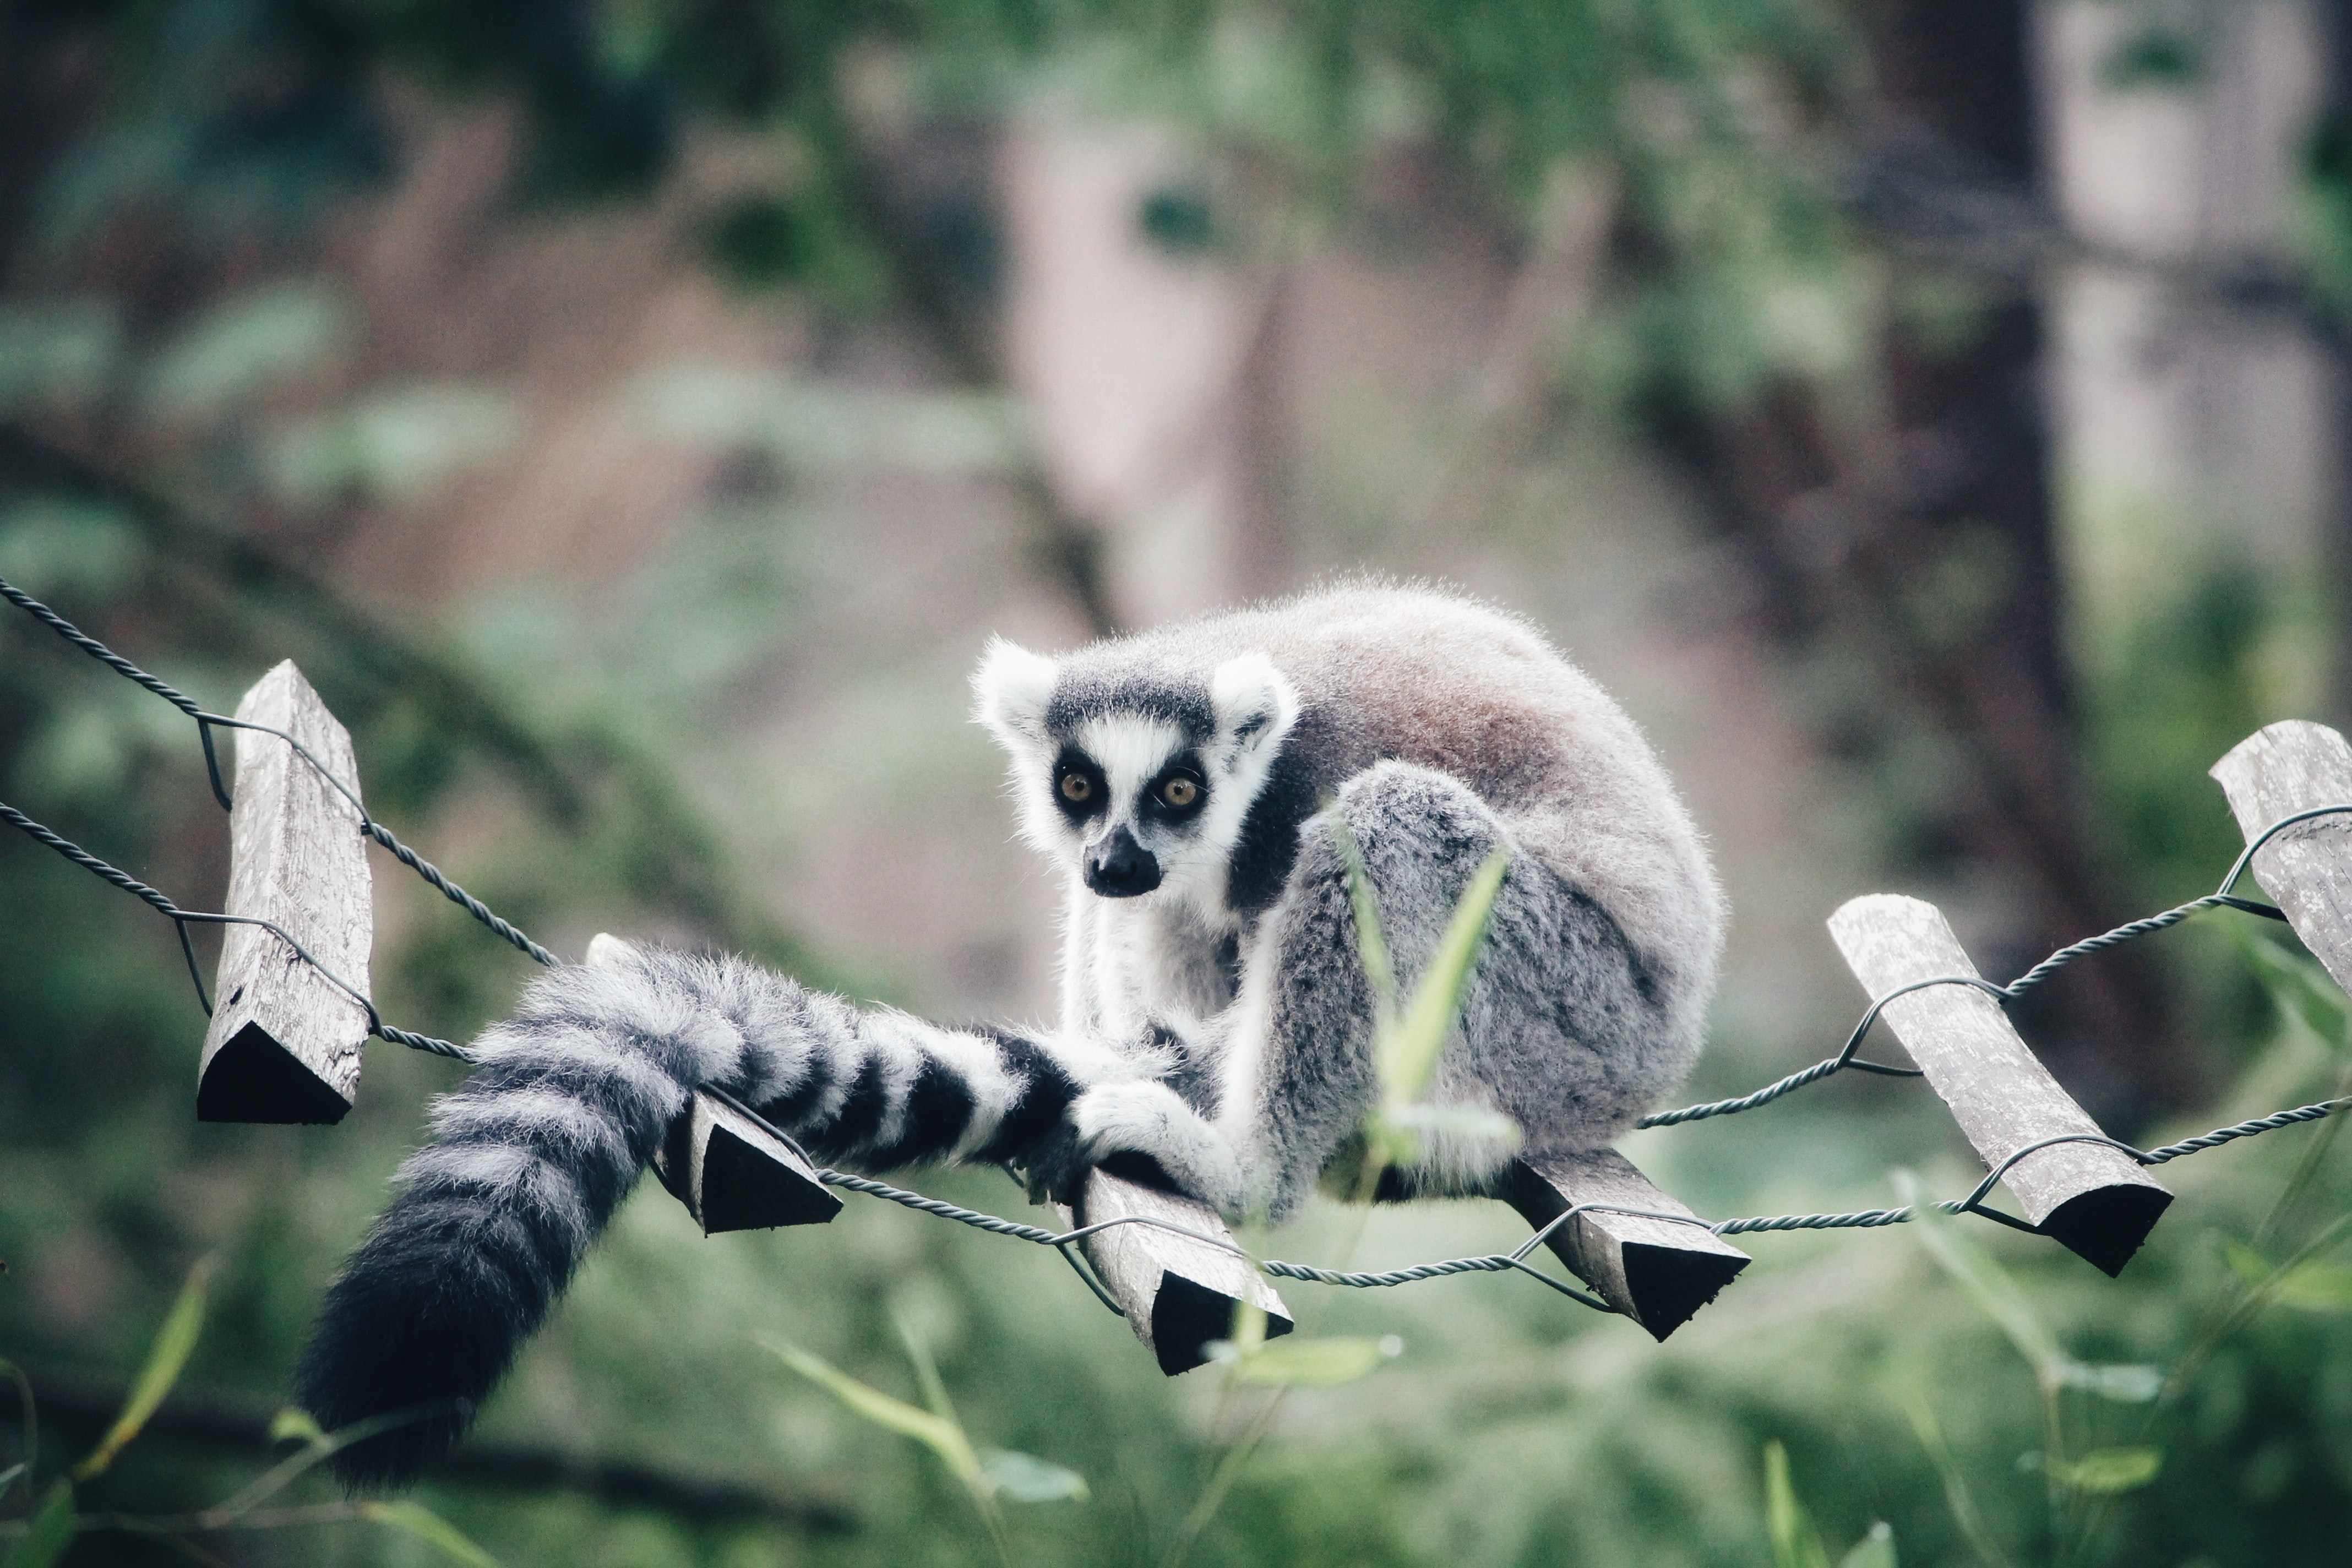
x=1408 y=1056
x=2125 y=1384
x=402 y=445
x=245 y=344
x=416 y=1519
x=938 y=1433
x=1370 y=945
x=1875 y=1549
x=50 y=546
x=1795 y=1544
x=2300 y=989
x=295 y=1425
x=2313 y=1287
x=57 y=355
x=1026 y=1478
x=165 y=1358
x=2106 y=1471
x=2246 y=1263
x=8 y=1477
x=1995 y=1293
x=1296 y=1363
x=291 y=1424
x=1465 y=1123
x=49 y=1533
x=2317 y=1287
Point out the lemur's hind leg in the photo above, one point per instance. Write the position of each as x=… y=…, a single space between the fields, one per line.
x=1302 y=1070
x=1551 y=1033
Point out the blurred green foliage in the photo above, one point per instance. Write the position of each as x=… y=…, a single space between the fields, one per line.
x=1508 y=1431
x=1875 y=1375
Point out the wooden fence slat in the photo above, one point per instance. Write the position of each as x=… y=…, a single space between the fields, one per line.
x=2095 y=1200
x=2279 y=770
x=731 y=1172
x=284 y=1044
x=1654 y=1271
x=1178 y=1294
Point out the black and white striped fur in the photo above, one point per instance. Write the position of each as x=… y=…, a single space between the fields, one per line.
x=1216 y=1022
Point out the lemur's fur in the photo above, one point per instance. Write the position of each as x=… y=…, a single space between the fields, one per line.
x=1215 y=1017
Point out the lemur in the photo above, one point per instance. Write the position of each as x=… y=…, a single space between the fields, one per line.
x=1217 y=1025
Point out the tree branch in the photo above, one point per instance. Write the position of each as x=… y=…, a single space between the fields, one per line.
x=219 y=1419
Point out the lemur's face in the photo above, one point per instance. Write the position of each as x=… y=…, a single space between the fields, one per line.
x=1137 y=777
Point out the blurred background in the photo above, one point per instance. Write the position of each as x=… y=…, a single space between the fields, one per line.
x=1928 y=416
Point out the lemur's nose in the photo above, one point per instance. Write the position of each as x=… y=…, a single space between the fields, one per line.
x=1120 y=868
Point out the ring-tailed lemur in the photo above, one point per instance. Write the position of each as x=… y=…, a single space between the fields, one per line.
x=1216 y=1020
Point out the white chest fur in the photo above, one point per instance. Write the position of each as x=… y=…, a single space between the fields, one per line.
x=1129 y=962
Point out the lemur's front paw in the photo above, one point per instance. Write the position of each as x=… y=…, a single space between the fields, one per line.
x=1135 y=1123
x=1057 y=1166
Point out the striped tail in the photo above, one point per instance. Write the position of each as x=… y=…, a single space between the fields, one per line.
x=532 y=1154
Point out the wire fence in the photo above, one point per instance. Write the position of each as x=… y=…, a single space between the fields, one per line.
x=1516 y=1260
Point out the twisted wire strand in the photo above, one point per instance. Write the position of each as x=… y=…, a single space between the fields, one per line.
x=97 y=649
x=2221 y=1135
x=1839 y=1063
x=182 y=918
x=1063 y=1241
x=2221 y=898
x=455 y=894
x=206 y=721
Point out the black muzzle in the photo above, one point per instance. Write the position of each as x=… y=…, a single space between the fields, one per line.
x=1120 y=868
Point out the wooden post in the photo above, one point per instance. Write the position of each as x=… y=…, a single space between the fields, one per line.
x=284 y=1045
x=2277 y=771
x=1654 y=1271
x=2095 y=1200
x=731 y=1172
x=1178 y=1293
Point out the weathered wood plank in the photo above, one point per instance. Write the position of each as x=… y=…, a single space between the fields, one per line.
x=1654 y=1271
x=2095 y=1200
x=284 y=1044
x=1178 y=1293
x=2279 y=770
x=731 y=1172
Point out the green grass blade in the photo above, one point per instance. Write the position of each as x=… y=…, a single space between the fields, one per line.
x=1995 y=1293
x=1957 y=1498
x=417 y=1521
x=1370 y=945
x=2105 y=1471
x=1026 y=1478
x=935 y=1432
x=926 y=1372
x=1795 y=1544
x=2300 y=989
x=1408 y=1055
x=1313 y=1363
x=1875 y=1549
x=165 y=1358
x=49 y=1533
x=294 y=1425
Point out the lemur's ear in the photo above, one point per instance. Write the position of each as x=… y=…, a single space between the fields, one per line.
x=1010 y=691
x=1255 y=703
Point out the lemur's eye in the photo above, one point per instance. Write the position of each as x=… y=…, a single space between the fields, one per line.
x=1180 y=793
x=1076 y=788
